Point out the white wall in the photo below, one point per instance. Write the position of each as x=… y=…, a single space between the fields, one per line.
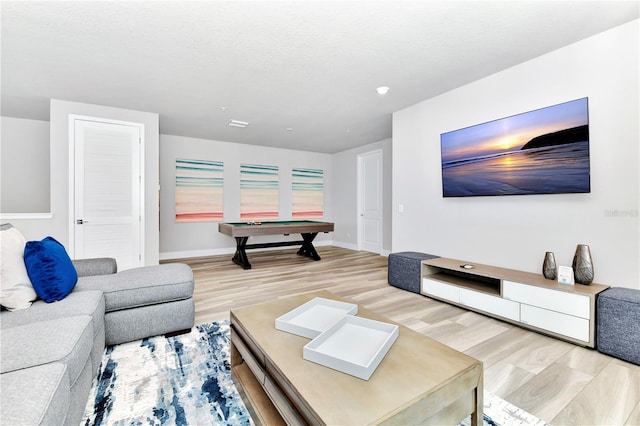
x=202 y=238
x=58 y=225
x=345 y=194
x=199 y=239
x=515 y=231
x=24 y=169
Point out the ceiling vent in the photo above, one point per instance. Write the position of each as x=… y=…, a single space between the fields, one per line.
x=238 y=123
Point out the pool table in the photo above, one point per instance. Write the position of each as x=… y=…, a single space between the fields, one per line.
x=241 y=231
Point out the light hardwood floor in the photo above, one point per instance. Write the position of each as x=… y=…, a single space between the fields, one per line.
x=556 y=381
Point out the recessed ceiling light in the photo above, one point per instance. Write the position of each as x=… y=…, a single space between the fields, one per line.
x=238 y=123
x=223 y=108
x=289 y=129
x=382 y=90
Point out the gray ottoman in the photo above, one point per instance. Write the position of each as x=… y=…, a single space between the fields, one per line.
x=618 y=323
x=404 y=269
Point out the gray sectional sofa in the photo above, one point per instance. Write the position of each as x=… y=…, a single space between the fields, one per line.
x=50 y=352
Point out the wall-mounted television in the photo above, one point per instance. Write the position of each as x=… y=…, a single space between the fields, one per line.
x=545 y=151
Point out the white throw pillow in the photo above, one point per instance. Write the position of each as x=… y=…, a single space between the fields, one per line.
x=16 y=291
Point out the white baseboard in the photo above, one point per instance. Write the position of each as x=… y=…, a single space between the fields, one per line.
x=354 y=247
x=195 y=253
x=344 y=245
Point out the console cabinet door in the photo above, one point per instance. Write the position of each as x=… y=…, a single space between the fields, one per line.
x=491 y=304
x=558 y=301
x=566 y=325
x=441 y=290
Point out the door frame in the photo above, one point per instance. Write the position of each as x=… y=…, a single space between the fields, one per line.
x=72 y=178
x=360 y=196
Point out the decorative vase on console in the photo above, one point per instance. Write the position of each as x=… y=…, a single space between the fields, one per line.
x=549 y=269
x=583 y=265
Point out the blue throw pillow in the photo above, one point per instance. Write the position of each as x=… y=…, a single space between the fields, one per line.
x=50 y=269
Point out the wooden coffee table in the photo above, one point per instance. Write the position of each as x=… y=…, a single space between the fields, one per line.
x=420 y=381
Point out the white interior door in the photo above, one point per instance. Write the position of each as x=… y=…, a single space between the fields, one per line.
x=107 y=217
x=370 y=201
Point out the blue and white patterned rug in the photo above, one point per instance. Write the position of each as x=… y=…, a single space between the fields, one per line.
x=186 y=380
x=182 y=380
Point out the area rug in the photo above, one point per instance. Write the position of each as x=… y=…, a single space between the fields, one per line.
x=186 y=380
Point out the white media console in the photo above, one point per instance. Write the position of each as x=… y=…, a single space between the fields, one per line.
x=523 y=298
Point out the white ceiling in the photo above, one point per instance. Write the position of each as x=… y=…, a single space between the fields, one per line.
x=312 y=66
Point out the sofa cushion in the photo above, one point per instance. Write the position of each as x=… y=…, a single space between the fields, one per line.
x=16 y=291
x=144 y=286
x=50 y=269
x=77 y=303
x=35 y=396
x=95 y=266
x=66 y=340
x=127 y=325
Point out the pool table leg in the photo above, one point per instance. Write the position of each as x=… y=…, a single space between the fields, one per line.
x=307 y=248
x=240 y=258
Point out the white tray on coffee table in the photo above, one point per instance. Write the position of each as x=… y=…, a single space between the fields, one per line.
x=315 y=316
x=353 y=345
